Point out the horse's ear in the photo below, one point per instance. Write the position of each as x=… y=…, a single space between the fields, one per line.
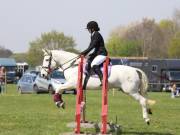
x=46 y=51
x=43 y=50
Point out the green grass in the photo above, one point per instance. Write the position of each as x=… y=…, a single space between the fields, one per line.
x=31 y=114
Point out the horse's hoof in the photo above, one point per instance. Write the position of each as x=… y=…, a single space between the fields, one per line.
x=147 y=120
x=149 y=111
x=60 y=104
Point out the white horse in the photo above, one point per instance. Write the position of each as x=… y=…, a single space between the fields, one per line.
x=130 y=80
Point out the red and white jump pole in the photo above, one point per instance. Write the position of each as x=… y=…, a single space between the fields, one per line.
x=104 y=97
x=80 y=97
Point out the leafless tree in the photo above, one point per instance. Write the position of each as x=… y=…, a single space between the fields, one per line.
x=5 y=53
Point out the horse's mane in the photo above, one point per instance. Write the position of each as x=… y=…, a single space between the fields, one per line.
x=65 y=53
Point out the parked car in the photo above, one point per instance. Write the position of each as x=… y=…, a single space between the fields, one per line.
x=50 y=84
x=43 y=84
x=57 y=77
x=26 y=84
x=32 y=72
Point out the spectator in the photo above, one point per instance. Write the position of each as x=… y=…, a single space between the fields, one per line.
x=173 y=90
x=177 y=92
x=2 y=79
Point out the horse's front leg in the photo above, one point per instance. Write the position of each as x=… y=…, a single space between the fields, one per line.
x=59 y=91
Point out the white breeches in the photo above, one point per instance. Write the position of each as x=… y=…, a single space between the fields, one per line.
x=98 y=60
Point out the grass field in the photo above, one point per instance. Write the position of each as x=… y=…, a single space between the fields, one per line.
x=32 y=114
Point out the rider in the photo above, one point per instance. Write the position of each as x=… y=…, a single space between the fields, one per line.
x=98 y=55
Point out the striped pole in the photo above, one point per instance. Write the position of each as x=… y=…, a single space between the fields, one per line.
x=104 y=97
x=79 y=96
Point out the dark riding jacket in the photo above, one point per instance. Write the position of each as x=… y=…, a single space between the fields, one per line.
x=97 y=43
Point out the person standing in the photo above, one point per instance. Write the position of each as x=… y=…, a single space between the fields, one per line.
x=173 y=90
x=2 y=79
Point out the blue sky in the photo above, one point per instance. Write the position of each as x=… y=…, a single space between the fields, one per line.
x=22 y=21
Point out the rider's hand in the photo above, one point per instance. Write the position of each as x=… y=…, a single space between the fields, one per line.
x=82 y=53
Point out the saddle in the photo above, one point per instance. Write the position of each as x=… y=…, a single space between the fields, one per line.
x=93 y=74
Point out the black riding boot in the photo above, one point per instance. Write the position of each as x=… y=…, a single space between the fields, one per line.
x=97 y=70
x=86 y=81
x=89 y=70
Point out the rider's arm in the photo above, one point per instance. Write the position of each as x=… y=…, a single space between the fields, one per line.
x=92 y=45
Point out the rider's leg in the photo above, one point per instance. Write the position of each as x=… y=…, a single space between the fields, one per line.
x=95 y=65
x=97 y=70
x=98 y=60
x=87 y=75
x=86 y=81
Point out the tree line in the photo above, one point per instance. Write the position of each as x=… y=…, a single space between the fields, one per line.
x=49 y=40
x=4 y=53
x=146 y=38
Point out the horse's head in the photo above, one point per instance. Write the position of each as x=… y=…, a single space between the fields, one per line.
x=49 y=64
x=54 y=59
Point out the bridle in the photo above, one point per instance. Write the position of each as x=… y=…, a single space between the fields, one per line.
x=48 y=68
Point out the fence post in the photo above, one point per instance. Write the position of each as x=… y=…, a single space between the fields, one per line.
x=104 y=97
x=79 y=96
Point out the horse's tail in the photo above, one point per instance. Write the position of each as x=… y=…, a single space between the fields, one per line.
x=143 y=82
x=144 y=86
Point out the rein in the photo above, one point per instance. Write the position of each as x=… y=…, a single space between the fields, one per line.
x=72 y=63
x=59 y=65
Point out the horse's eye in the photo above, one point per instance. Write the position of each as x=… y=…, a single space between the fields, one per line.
x=47 y=59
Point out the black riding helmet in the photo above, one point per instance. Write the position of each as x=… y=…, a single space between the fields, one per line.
x=93 y=25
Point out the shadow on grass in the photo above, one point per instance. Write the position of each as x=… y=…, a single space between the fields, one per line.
x=93 y=128
x=117 y=130
x=143 y=133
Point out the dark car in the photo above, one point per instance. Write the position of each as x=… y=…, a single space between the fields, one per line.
x=11 y=77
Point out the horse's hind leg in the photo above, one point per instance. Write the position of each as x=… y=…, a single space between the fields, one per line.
x=143 y=103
